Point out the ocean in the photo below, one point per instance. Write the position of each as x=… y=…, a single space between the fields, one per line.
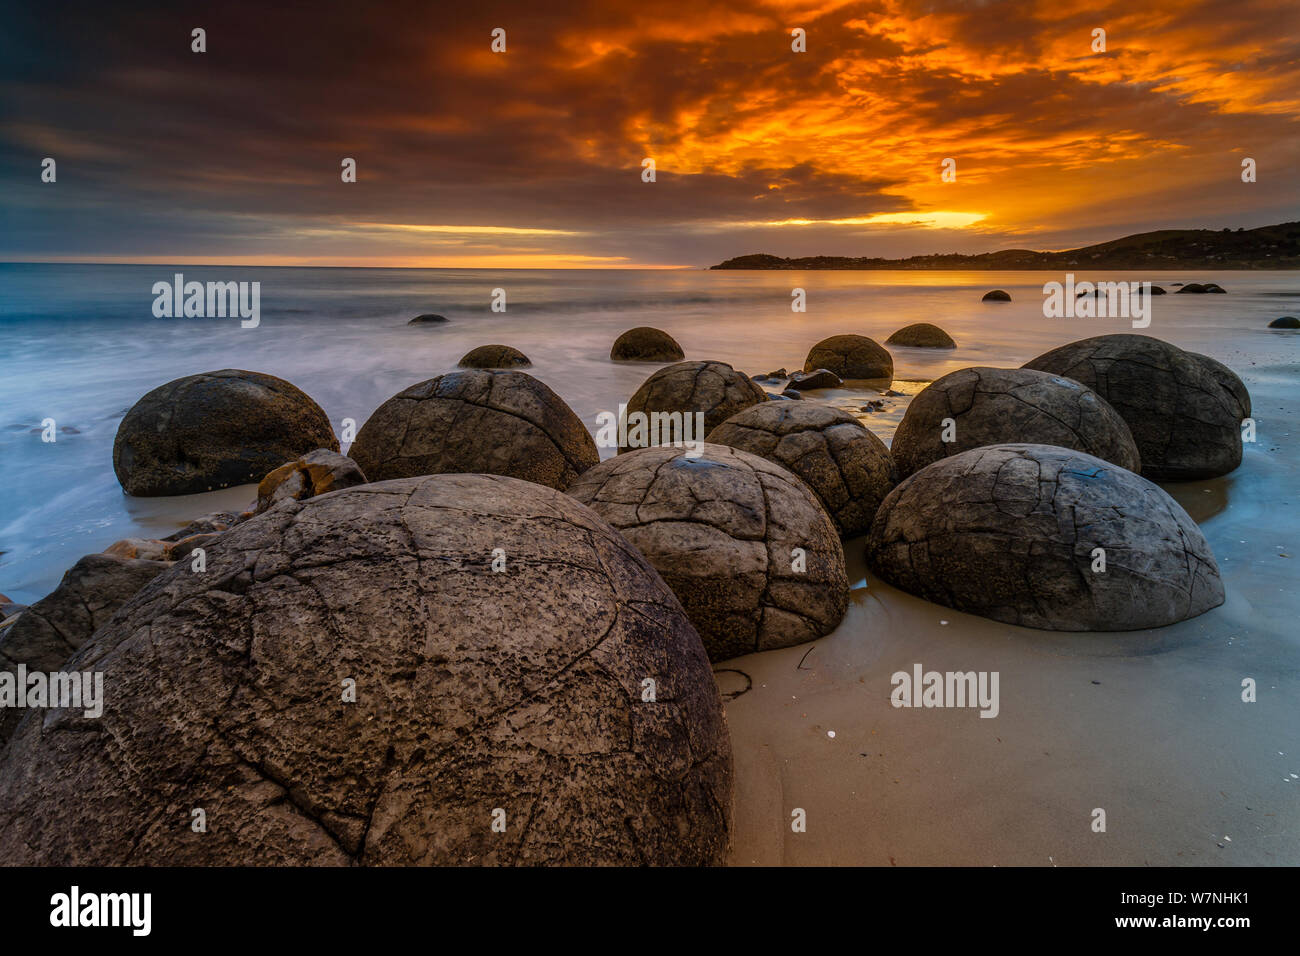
x=80 y=345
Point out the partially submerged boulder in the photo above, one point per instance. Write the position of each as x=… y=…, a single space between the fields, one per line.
x=996 y=295
x=428 y=318
x=315 y=473
x=476 y=421
x=851 y=357
x=817 y=378
x=1187 y=426
x=213 y=430
x=46 y=634
x=646 y=344
x=1012 y=532
x=1285 y=322
x=744 y=545
x=494 y=356
x=922 y=335
x=714 y=389
x=847 y=467
x=991 y=406
x=356 y=680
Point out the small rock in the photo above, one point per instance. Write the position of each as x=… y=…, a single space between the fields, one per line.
x=996 y=295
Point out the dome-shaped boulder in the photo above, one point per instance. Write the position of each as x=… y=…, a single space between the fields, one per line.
x=356 y=680
x=847 y=467
x=494 y=356
x=646 y=344
x=476 y=421
x=714 y=389
x=992 y=406
x=922 y=335
x=1187 y=426
x=996 y=295
x=1285 y=322
x=1013 y=532
x=851 y=357
x=743 y=543
x=213 y=430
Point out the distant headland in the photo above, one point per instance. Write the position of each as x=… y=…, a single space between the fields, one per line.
x=1268 y=247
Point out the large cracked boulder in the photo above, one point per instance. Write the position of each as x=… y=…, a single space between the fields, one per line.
x=851 y=357
x=357 y=680
x=742 y=542
x=1011 y=532
x=214 y=430
x=714 y=389
x=54 y=628
x=992 y=406
x=847 y=467
x=476 y=421
x=1186 y=424
x=646 y=344
x=1229 y=379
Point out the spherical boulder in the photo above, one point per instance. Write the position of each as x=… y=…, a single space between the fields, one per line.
x=991 y=406
x=494 y=356
x=646 y=344
x=847 y=467
x=1285 y=322
x=922 y=335
x=213 y=430
x=477 y=421
x=1044 y=537
x=851 y=356
x=356 y=680
x=714 y=389
x=1186 y=425
x=747 y=549
x=996 y=295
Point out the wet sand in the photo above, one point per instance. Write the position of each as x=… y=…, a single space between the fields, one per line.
x=1147 y=725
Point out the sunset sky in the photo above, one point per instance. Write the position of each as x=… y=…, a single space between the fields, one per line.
x=532 y=157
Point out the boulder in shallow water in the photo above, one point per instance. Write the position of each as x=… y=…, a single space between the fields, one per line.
x=1285 y=322
x=476 y=421
x=1187 y=426
x=992 y=406
x=315 y=473
x=922 y=335
x=996 y=295
x=714 y=389
x=851 y=357
x=847 y=467
x=353 y=682
x=723 y=530
x=817 y=378
x=1011 y=532
x=646 y=344
x=214 y=430
x=494 y=356
x=428 y=318
x=46 y=634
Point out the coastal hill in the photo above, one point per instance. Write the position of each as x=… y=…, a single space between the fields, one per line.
x=1268 y=247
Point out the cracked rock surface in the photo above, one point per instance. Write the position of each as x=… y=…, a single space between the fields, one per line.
x=847 y=467
x=714 y=388
x=214 y=430
x=1008 y=532
x=476 y=690
x=993 y=406
x=59 y=624
x=852 y=357
x=476 y=421
x=646 y=344
x=721 y=529
x=1187 y=426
